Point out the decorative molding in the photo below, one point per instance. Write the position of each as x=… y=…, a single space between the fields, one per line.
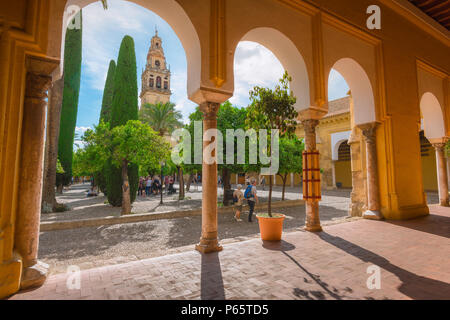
x=217 y=43
x=320 y=94
x=421 y=64
x=418 y=18
x=348 y=27
x=301 y=6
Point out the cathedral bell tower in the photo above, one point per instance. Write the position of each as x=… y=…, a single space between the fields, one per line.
x=156 y=76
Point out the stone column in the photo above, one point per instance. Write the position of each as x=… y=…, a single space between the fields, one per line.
x=358 y=195
x=30 y=189
x=209 y=241
x=312 y=205
x=441 y=165
x=333 y=173
x=373 y=194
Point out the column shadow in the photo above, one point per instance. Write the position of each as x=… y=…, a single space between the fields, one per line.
x=284 y=247
x=414 y=286
x=211 y=278
x=433 y=224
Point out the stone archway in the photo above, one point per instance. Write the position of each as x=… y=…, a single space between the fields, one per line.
x=365 y=194
x=290 y=58
x=171 y=12
x=434 y=131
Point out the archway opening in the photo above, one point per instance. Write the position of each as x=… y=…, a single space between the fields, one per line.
x=103 y=31
x=432 y=131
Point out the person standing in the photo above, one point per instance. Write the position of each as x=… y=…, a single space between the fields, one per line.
x=252 y=197
x=148 y=186
x=263 y=182
x=238 y=198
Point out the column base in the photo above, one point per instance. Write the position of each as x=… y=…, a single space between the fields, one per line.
x=372 y=215
x=34 y=276
x=208 y=246
x=316 y=228
x=444 y=204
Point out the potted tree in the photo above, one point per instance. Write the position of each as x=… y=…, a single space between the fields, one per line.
x=272 y=110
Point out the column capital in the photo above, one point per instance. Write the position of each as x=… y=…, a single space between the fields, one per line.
x=37 y=86
x=368 y=131
x=439 y=146
x=210 y=110
x=310 y=125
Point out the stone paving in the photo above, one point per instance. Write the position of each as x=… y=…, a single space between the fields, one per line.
x=91 y=247
x=412 y=257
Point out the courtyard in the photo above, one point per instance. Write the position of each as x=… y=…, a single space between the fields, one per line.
x=332 y=264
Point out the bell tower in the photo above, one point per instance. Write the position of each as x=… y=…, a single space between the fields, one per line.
x=156 y=76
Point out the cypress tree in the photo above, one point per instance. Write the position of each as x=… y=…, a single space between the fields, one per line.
x=105 y=115
x=124 y=108
x=108 y=92
x=69 y=109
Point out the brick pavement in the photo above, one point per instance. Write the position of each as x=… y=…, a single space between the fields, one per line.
x=413 y=257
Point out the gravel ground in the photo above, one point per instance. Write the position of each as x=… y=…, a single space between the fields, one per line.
x=98 y=246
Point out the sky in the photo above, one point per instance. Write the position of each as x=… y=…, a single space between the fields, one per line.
x=103 y=31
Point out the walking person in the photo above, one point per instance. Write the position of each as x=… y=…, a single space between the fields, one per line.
x=238 y=198
x=252 y=197
x=263 y=182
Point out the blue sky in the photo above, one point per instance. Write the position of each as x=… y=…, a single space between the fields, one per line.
x=103 y=31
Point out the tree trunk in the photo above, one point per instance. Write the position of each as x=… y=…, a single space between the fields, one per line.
x=269 y=206
x=227 y=194
x=181 y=182
x=126 y=200
x=188 y=184
x=51 y=146
x=284 y=178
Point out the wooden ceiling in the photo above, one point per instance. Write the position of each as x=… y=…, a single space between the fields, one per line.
x=439 y=10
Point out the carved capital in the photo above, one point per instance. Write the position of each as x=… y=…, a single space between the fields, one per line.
x=210 y=110
x=310 y=125
x=37 y=86
x=439 y=146
x=369 y=131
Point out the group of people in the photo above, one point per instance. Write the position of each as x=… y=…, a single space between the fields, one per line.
x=250 y=194
x=153 y=185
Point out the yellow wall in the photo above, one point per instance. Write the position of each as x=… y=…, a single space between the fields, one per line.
x=343 y=170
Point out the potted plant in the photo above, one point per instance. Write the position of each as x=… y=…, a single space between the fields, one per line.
x=272 y=110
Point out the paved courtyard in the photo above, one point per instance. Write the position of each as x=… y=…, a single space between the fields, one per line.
x=92 y=247
x=412 y=257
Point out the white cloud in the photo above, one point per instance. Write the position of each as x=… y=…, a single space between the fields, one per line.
x=254 y=65
x=81 y=130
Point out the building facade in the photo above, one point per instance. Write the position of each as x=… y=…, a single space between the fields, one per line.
x=156 y=76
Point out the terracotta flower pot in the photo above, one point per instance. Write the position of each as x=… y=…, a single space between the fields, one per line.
x=271 y=228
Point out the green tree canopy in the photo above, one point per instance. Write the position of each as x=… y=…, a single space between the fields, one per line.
x=162 y=117
x=273 y=109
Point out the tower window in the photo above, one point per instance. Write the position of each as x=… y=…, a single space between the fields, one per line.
x=152 y=82
x=166 y=85
x=157 y=63
x=158 y=82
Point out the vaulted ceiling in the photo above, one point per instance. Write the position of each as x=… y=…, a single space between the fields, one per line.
x=439 y=10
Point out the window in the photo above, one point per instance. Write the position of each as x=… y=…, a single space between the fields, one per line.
x=152 y=83
x=158 y=82
x=157 y=63
x=166 y=85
